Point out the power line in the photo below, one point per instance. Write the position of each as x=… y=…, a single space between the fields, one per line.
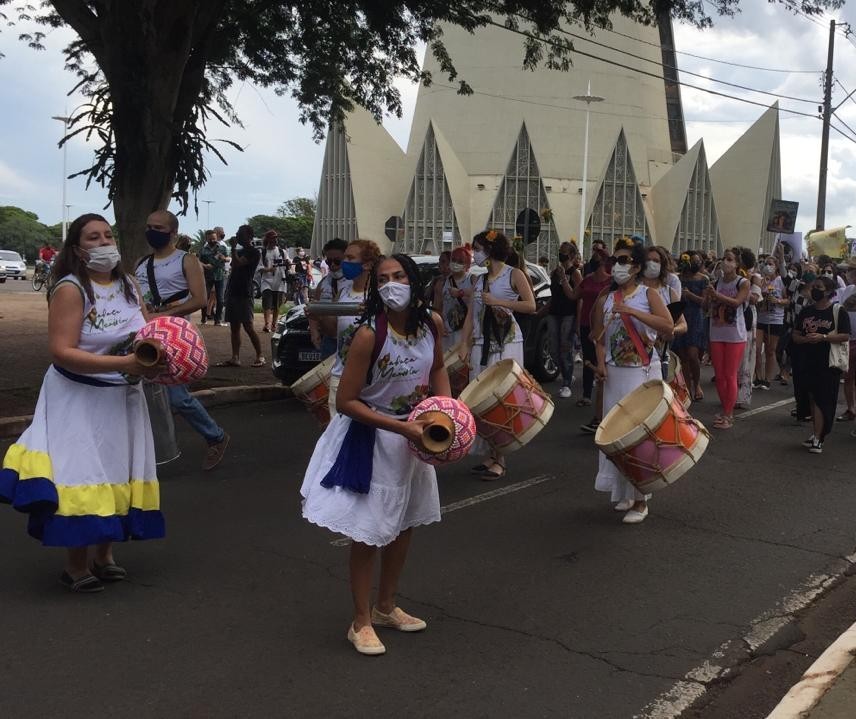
x=845 y=125
x=713 y=59
x=650 y=74
x=687 y=72
x=842 y=133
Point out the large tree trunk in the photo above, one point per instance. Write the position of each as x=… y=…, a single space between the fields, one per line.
x=152 y=54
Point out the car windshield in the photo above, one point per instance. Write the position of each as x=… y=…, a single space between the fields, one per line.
x=11 y=256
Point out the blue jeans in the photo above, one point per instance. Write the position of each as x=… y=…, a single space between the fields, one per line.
x=562 y=331
x=217 y=286
x=192 y=410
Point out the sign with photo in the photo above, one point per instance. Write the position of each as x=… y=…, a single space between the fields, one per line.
x=783 y=216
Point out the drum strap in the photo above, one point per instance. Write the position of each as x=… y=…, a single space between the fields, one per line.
x=641 y=349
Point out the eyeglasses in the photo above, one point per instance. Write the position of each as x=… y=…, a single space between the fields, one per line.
x=621 y=260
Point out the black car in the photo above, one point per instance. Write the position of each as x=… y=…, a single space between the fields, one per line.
x=294 y=354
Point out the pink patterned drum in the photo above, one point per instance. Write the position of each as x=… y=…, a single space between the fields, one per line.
x=509 y=405
x=650 y=437
x=450 y=432
x=175 y=340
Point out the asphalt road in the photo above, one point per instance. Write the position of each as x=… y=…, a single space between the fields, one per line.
x=15 y=285
x=540 y=603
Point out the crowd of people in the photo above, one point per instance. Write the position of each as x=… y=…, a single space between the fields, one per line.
x=85 y=470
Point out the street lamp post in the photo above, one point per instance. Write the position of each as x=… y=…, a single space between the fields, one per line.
x=64 y=121
x=67 y=215
x=208 y=213
x=588 y=99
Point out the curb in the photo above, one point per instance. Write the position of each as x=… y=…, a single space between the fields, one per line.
x=818 y=679
x=214 y=397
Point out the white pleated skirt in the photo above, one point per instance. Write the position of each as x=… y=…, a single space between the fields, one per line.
x=403 y=490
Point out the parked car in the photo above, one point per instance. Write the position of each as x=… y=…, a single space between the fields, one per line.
x=13 y=265
x=2 y=275
x=294 y=354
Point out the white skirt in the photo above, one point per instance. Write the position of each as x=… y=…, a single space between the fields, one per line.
x=84 y=470
x=621 y=381
x=403 y=490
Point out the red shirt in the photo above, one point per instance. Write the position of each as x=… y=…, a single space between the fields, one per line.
x=589 y=290
x=46 y=254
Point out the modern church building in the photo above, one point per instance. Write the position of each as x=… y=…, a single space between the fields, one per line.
x=476 y=161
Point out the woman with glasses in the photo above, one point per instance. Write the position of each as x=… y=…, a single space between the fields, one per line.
x=625 y=325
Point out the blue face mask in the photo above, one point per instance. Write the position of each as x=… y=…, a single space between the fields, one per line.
x=352 y=270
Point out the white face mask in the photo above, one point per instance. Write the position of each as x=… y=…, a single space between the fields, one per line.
x=621 y=274
x=103 y=258
x=652 y=270
x=337 y=274
x=395 y=295
x=479 y=257
x=768 y=270
x=456 y=267
x=829 y=274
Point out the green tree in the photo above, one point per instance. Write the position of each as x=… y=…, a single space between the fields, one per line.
x=22 y=232
x=298 y=207
x=157 y=73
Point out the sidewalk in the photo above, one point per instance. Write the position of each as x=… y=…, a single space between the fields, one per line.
x=827 y=690
x=24 y=333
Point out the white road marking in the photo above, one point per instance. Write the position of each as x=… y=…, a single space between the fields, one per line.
x=765 y=408
x=478 y=499
x=672 y=703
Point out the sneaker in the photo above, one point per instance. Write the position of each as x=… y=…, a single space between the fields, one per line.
x=816 y=447
x=365 y=641
x=624 y=505
x=397 y=619
x=215 y=452
x=756 y=384
x=578 y=358
x=809 y=442
x=219 y=324
x=565 y=392
x=591 y=427
x=765 y=385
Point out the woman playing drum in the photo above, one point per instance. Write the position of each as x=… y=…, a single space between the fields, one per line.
x=626 y=323
x=362 y=479
x=490 y=332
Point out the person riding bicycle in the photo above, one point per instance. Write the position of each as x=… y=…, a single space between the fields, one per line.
x=47 y=254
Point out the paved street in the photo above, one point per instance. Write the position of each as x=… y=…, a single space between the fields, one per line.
x=540 y=603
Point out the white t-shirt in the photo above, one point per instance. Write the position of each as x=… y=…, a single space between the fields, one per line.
x=272 y=280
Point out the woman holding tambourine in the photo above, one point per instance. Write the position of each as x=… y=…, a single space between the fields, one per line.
x=490 y=332
x=625 y=324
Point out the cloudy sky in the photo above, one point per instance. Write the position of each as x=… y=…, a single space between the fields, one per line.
x=282 y=161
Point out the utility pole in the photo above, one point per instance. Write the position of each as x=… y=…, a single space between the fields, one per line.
x=824 y=139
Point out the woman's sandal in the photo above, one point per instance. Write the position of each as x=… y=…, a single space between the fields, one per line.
x=228 y=363
x=109 y=572
x=723 y=423
x=490 y=475
x=846 y=416
x=260 y=362
x=87 y=584
x=699 y=396
x=479 y=469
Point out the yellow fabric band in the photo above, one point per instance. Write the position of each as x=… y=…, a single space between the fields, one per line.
x=28 y=463
x=107 y=500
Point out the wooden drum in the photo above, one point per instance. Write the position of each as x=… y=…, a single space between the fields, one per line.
x=675 y=380
x=459 y=372
x=313 y=389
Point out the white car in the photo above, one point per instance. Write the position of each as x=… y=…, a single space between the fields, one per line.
x=13 y=265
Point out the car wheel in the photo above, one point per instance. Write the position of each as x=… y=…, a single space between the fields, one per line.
x=544 y=369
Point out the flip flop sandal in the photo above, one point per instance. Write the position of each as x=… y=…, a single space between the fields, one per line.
x=228 y=363
x=258 y=363
x=490 y=475
x=847 y=416
x=87 y=584
x=109 y=572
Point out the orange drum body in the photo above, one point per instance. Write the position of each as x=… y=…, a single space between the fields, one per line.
x=459 y=372
x=650 y=437
x=675 y=380
x=509 y=406
x=313 y=389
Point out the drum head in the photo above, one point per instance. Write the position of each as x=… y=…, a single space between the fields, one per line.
x=313 y=376
x=632 y=412
x=483 y=386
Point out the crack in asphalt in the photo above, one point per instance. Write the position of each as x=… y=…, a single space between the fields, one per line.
x=744 y=538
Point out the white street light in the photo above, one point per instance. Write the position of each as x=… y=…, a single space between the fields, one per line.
x=208 y=215
x=588 y=99
x=64 y=120
x=67 y=216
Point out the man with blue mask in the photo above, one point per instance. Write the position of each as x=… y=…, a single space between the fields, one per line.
x=323 y=329
x=172 y=283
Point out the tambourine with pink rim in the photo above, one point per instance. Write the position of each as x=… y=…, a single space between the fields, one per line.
x=509 y=406
x=313 y=390
x=650 y=437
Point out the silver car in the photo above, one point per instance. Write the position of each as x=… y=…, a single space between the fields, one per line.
x=13 y=265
